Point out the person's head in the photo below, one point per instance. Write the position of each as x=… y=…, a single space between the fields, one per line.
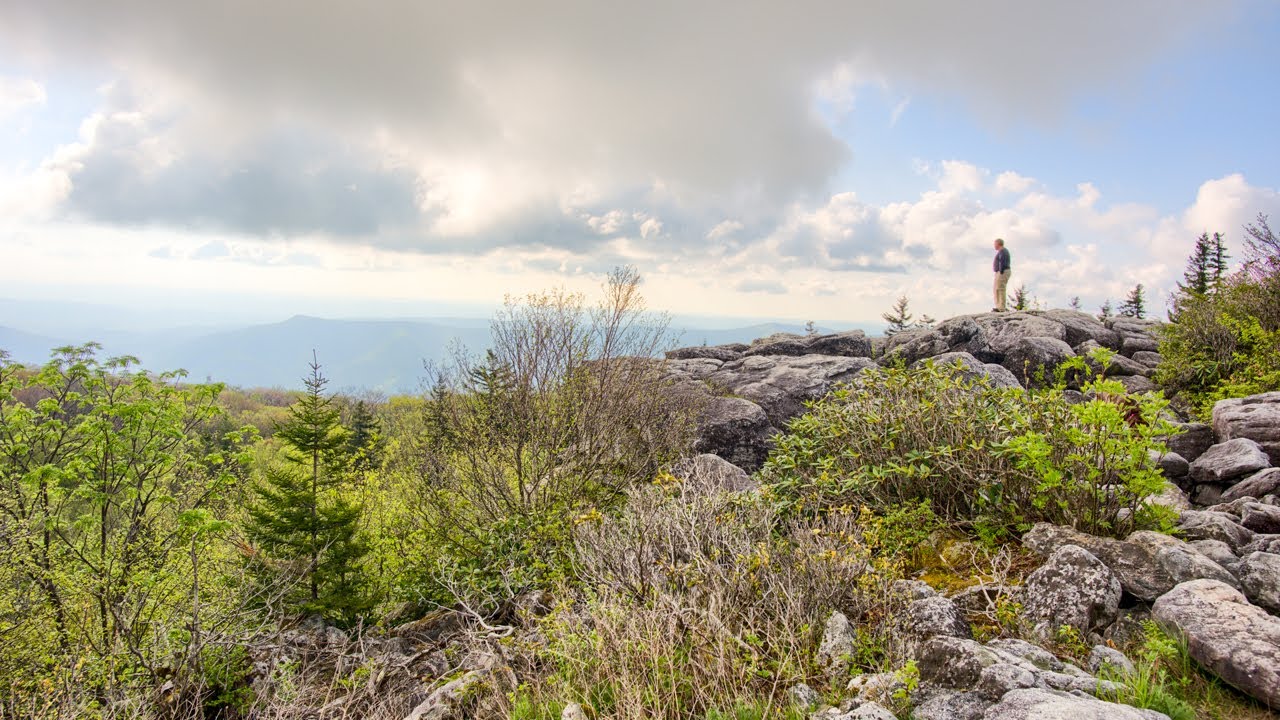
x=999 y=243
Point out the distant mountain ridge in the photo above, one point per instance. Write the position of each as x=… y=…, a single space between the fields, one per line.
x=380 y=355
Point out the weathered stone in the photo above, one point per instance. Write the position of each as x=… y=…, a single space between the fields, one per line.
x=1004 y=331
x=1148 y=358
x=735 y=429
x=912 y=589
x=444 y=702
x=1072 y=588
x=996 y=680
x=1217 y=551
x=1032 y=360
x=573 y=711
x=1178 y=559
x=1237 y=641
x=1260 y=579
x=869 y=711
x=1192 y=441
x=1134 y=345
x=804 y=697
x=1117 y=365
x=953 y=662
x=972 y=369
x=1205 y=525
x=793 y=347
x=1229 y=461
x=948 y=705
x=1139 y=574
x=1102 y=658
x=984 y=598
x=910 y=346
x=698 y=369
x=722 y=353
x=1206 y=494
x=1041 y=704
x=782 y=385
x=853 y=343
x=1136 y=384
x=1261 y=543
x=875 y=687
x=837 y=644
x=1170 y=496
x=1082 y=327
x=1034 y=654
x=1256 y=417
x=936 y=616
x=1260 y=484
x=706 y=473
x=1261 y=518
x=1129 y=627
x=1172 y=465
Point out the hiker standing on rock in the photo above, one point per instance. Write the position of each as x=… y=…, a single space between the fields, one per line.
x=1002 y=269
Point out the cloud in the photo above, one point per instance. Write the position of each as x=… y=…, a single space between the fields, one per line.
x=19 y=94
x=449 y=127
x=761 y=286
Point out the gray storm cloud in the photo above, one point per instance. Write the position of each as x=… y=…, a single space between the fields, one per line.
x=706 y=111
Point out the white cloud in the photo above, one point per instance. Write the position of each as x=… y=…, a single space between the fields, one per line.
x=18 y=95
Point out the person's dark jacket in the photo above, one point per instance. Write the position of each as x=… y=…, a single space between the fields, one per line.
x=1002 y=260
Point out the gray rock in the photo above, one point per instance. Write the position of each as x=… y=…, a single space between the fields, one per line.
x=1005 y=331
x=1178 y=559
x=1148 y=358
x=793 y=347
x=996 y=680
x=573 y=711
x=1260 y=484
x=853 y=343
x=1136 y=384
x=875 y=687
x=1229 y=461
x=1260 y=580
x=1172 y=465
x=952 y=706
x=1135 y=345
x=1129 y=626
x=973 y=370
x=912 y=589
x=735 y=429
x=781 y=385
x=911 y=346
x=837 y=644
x=1117 y=366
x=1261 y=543
x=1041 y=704
x=1032 y=360
x=954 y=662
x=1238 y=642
x=936 y=616
x=803 y=696
x=697 y=369
x=1261 y=518
x=1206 y=525
x=1256 y=417
x=723 y=353
x=1170 y=496
x=1102 y=657
x=1192 y=441
x=1083 y=327
x=1072 y=588
x=706 y=473
x=1135 y=566
x=444 y=702
x=1034 y=654
x=1206 y=494
x=984 y=598
x=869 y=711
x=1217 y=551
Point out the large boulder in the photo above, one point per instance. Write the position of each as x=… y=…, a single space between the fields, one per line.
x=1211 y=525
x=936 y=615
x=1260 y=484
x=954 y=662
x=1134 y=565
x=853 y=343
x=837 y=644
x=1261 y=518
x=723 y=353
x=1072 y=588
x=1256 y=417
x=1043 y=704
x=1192 y=440
x=735 y=429
x=1032 y=360
x=1237 y=641
x=1229 y=461
x=1004 y=331
x=1178 y=560
x=782 y=385
x=971 y=369
x=910 y=346
x=1260 y=580
x=1083 y=327
x=707 y=473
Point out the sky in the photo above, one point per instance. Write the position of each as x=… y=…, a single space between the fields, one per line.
x=793 y=161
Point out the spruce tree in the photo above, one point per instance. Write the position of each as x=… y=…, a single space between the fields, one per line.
x=300 y=519
x=1218 y=262
x=1074 y=304
x=1135 y=305
x=364 y=441
x=899 y=318
x=1195 y=279
x=1021 y=300
x=1104 y=312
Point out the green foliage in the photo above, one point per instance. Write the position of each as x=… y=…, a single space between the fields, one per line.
x=997 y=460
x=303 y=524
x=1021 y=299
x=108 y=503
x=1225 y=343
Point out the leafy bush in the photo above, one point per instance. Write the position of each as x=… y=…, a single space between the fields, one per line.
x=997 y=460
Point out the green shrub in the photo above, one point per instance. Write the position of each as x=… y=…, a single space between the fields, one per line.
x=995 y=460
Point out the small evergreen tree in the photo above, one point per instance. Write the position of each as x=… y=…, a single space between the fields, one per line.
x=1218 y=262
x=364 y=441
x=300 y=519
x=1195 y=279
x=1104 y=312
x=1074 y=303
x=1135 y=305
x=1021 y=299
x=899 y=318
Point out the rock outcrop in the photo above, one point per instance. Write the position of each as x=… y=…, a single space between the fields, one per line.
x=1256 y=417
